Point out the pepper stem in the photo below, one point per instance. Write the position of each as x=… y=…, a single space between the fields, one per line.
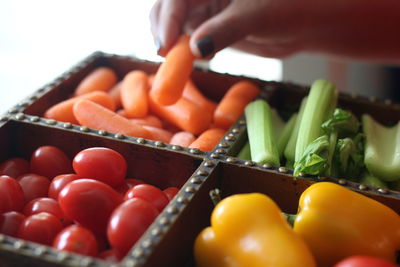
x=290 y=218
x=215 y=195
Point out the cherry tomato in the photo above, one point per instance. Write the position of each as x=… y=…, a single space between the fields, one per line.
x=170 y=192
x=33 y=185
x=58 y=183
x=41 y=228
x=364 y=261
x=14 y=167
x=10 y=222
x=110 y=255
x=50 y=161
x=102 y=164
x=128 y=222
x=89 y=203
x=126 y=185
x=77 y=239
x=11 y=195
x=149 y=193
x=45 y=204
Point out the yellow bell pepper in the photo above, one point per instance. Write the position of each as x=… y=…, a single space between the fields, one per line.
x=249 y=230
x=336 y=222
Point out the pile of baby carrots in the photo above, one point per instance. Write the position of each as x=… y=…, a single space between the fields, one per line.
x=165 y=106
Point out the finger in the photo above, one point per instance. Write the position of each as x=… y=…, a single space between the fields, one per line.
x=154 y=24
x=280 y=51
x=234 y=23
x=171 y=19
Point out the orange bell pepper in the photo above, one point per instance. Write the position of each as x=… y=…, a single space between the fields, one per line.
x=249 y=230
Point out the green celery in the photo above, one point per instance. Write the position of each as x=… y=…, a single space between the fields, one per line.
x=370 y=180
x=315 y=157
x=382 y=149
x=260 y=130
x=244 y=153
x=290 y=149
x=349 y=157
x=340 y=123
x=321 y=102
x=285 y=134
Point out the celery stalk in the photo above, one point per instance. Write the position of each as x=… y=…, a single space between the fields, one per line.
x=260 y=130
x=286 y=133
x=290 y=149
x=382 y=149
x=370 y=180
x=321 y=102
x=244 y=153
x=277 y=122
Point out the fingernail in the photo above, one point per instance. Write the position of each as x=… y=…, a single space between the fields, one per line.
x=158 y=44
x=205 y=46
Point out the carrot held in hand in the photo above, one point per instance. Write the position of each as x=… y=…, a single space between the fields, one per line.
x=63 y=111
x=184 y=114
x=173 y=73
x=182 y=138
x=134 y=91
x=100 y=79
x=97 y=117
x=233 y=103
x=208 y=139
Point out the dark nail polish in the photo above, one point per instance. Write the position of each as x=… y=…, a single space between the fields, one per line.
x=205 y=46
x=158 y=44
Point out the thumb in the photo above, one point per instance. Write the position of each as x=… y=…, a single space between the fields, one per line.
x=232 y=24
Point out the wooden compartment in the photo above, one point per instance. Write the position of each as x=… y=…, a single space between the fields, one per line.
x=19 y=138
x=169 y=240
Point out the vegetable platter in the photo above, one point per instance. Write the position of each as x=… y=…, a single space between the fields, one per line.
x=169 y=239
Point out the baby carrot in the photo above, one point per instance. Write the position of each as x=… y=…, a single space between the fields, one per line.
x=63 y=111
x=100 y=79
x=192 y=93
x=208 y=139
x=115 y=93
x=158 y=134
x=182 y=138
x=149 y=120
x=173 y=73
x=97 y=117
x=184 y=114
x=134 y=91
x=233 y=103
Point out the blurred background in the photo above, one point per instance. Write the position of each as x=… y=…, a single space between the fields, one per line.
x=41 y=39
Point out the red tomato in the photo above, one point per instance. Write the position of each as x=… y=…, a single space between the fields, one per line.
x=41 y=228
x=149 y=193
x=50 y=161
x=89 y=203
x=11 y=195
x=14 y=167
x=128 y=222
x=126 y=185
x=364 y=261
x=109 y=255
x=170 y=192
x=58 y=183
x=45 y=204
x=10 y=222
x=102 y=164
x=77 y=239
x=33 y=185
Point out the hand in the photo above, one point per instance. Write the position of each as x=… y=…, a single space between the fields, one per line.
x=270 y=28
x=356 y=29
